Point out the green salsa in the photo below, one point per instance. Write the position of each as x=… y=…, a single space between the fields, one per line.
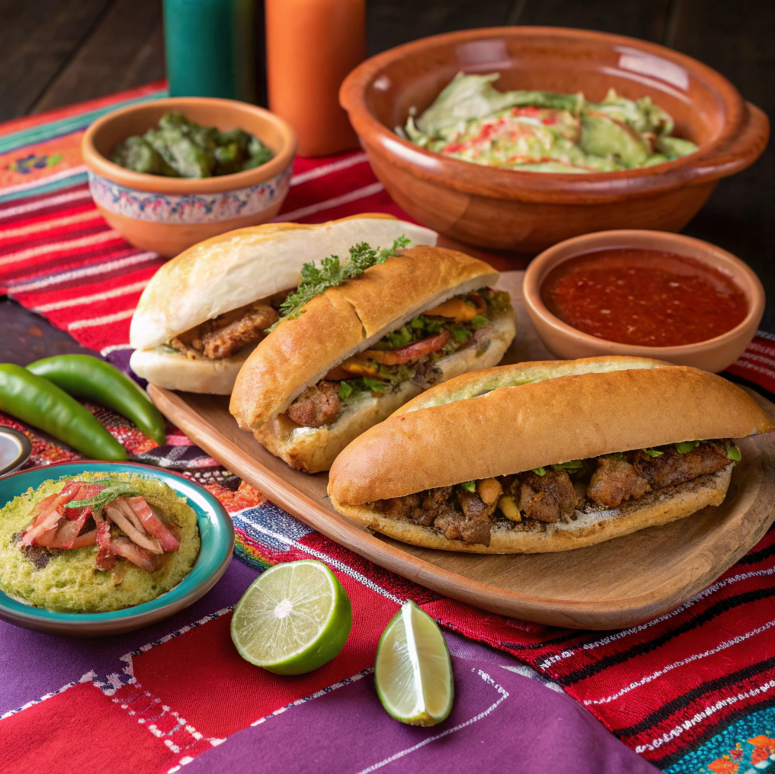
x=179 y=147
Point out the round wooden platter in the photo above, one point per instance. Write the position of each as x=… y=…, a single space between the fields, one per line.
x=615 y=584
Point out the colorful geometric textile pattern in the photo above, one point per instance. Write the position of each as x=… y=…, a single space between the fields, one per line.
x=692 y=691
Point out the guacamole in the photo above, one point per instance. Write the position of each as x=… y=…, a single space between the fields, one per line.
x=68 y=580
x=542 y=131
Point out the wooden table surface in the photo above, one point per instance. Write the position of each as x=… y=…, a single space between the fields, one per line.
x=56 y=52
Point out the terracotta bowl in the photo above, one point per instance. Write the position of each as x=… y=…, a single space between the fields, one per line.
x=167 y=214
x=712 y=355
x=528 y=211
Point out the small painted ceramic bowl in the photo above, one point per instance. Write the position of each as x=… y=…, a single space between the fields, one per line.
x=216 y=532
x=169 y=214
x=712 y=355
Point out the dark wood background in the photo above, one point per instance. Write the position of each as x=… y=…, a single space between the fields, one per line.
x=55 y=52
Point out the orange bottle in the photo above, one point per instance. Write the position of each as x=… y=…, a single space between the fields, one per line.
x=311 y=45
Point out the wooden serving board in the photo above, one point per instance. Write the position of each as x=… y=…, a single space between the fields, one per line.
x=618 y=583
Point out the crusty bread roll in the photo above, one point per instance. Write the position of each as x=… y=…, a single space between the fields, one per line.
x=340 y=323
x=521 y=417
x=315 y=448
x=230 y=271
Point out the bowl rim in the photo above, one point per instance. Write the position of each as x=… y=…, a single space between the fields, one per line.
x=740 y=142
x=563 y=251
x=25 y=450
x=204 y=574
x=103 y=167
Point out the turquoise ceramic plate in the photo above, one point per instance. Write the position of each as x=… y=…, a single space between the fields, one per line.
x=215 y=529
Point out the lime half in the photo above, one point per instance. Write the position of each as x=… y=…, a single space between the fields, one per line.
x=293 y=618
x=413 y=671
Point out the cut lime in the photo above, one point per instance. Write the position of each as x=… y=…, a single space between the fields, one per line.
x=413 y=671
x=293 y=618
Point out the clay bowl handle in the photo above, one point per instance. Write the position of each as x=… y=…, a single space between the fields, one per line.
x=740 y=150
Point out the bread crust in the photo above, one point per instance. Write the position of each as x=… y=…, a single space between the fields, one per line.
x=345 y=320
x=174 y=371
x=314 y=449
x=234 y=269
x=653 y=510
x=517 y=428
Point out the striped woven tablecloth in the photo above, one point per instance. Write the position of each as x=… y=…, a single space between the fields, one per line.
x=692 y=691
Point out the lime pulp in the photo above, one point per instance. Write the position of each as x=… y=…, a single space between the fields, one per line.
x=293 y=618
x=413 y=670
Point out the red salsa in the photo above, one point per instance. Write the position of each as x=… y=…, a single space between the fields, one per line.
x=644 y=297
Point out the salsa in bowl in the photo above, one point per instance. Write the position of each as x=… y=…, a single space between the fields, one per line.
x=645 y=294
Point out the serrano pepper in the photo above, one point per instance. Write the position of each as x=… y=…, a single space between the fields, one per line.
x=41 y=403
x=99 y=382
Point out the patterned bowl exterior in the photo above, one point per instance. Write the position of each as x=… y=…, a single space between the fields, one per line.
x=189 y=208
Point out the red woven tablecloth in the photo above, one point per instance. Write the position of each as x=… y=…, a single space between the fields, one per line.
x=692 y=691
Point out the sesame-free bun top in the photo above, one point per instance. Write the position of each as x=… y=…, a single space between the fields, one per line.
x=242 y=266
x=519 y=417
x=346 y=320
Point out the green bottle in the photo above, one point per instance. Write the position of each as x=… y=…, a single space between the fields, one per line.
x=210 y=47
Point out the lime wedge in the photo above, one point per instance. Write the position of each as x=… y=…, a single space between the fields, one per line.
x=293 y=618
x=413 y=671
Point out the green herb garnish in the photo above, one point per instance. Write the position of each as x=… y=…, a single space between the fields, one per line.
x=539 y=471
x=572 y=465
x=374 y=384
x=331 y=274
x=344 y=391
x=653 y=452
x=479 y=321
x=400 y=338
x=686 y=446
x=733 y=452
x=459 y=333
x=469 y=486
x=107 y=495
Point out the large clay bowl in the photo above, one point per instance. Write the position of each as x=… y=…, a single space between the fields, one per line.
x=529 y=211
x=169 y=214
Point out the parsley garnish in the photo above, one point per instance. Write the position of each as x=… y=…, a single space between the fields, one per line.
x=686 y=446
x=374 y=384
x=331 y=274
x=469 y=486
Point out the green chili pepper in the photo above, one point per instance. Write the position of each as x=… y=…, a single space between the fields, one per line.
x=95 y=380
x=41 y=403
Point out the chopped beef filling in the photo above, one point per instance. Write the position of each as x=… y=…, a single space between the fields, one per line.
x=554 y=494
x=615 y=481
x=407 y=354
x=548 y=498
x=673 y=468
x=316 y=406
x=228 y=333
x=226 y=341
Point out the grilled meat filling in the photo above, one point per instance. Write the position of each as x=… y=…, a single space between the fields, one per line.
x=551 y=495
x=407 y=354
x=316 y=406
x=228 y=333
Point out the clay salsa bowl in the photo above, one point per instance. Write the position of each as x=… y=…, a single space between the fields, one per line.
x=528 y=211
x=169 y=214
x=713 y=355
